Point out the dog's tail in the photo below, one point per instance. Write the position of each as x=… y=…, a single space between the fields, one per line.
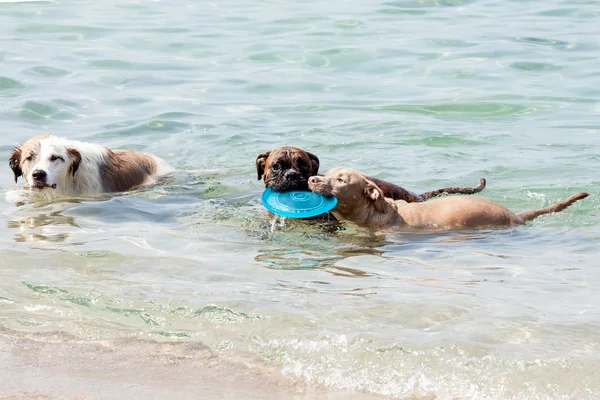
x=455 y=190
x=561 y=205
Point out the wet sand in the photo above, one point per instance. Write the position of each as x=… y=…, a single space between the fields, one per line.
x=58 y=366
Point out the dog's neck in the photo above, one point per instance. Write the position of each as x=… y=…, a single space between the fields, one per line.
x=367 y=216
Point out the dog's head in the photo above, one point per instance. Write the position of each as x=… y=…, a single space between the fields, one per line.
x=357 y=195
x=46 y=162
x=286 y=168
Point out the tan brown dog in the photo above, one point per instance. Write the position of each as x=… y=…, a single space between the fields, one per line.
x=361 y=201
x=288 y=168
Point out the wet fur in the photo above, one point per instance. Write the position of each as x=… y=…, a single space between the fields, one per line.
x=290 y=158
x=126 y=170
x=361 y=201
x=286 y=168
x=88 y=168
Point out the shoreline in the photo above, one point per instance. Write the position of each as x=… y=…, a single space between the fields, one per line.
x=56 y=365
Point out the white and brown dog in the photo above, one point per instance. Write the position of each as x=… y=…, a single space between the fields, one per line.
x=68 y=167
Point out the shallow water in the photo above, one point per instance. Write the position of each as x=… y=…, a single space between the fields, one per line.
x=423 y=93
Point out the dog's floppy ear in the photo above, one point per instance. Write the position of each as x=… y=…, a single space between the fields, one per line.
x=15 y=163
x=314 y=162
x=75 y=155
x=374 y=194
x=260 y=163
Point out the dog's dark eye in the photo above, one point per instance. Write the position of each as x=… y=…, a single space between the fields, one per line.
x=54 y=158
x=29 y=158
x=276 y=167
x=340 y=180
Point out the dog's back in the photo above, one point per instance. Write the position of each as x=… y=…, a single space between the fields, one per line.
x=124 y=170
x=456 y=212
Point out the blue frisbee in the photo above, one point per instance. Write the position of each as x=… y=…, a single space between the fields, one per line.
x=297 y=204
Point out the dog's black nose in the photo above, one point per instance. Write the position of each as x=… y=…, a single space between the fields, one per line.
x=292 y=174
x=39 y=175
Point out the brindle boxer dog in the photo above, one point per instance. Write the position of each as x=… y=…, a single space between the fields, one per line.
x=288 y=168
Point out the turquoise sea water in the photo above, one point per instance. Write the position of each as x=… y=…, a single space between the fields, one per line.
x=195 y=275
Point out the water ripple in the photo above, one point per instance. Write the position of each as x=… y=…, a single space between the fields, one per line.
x=48 y=71
x=37 y=111
x=462 y=109
x=10 y=84
x=535 y=66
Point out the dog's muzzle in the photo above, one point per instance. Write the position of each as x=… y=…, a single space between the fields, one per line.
x=39 y=180
x=317 y=185
x=291 y=179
